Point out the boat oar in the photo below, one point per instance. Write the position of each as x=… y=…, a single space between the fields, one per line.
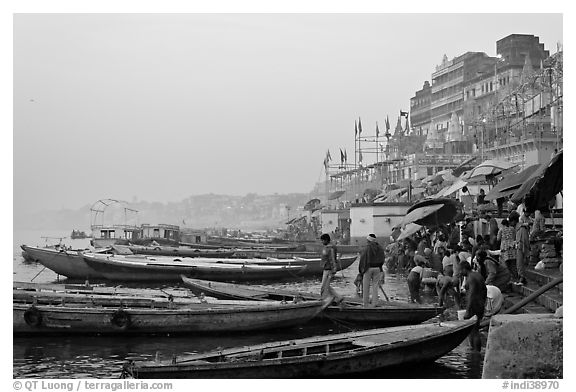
x=383 y=292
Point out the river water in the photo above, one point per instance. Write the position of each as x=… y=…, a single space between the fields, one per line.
x=66 y=357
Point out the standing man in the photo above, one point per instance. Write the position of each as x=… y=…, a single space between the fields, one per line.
x=371 y=261
x=522 y=247
x=328 y=260
x=475 y=301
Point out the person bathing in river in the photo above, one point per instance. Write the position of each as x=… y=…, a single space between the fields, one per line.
x=370 y=267
x=328 y=260
x=415 y=279
x=475 y=301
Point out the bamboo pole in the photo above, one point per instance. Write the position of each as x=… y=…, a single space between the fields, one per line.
x=528 y=299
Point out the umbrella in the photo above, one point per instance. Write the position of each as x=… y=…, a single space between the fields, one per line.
x=311 y=204
x=410 y=229
x=462 y=167
x=421 y=213
x=417 y=191
x=403 y=183
x=418 y=184
x=396 y=192
x=335 y=195
x=371 y=192
x=511 y=183
x=428 y=178
x=431 y=212
x=542 y=185
x=489 y=168
x=452 y=188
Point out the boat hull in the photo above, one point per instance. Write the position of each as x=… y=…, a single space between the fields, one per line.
x=399 y=347
x=177 y=251
x=204 y=318
x=116 y=268
x=385 y=314
x=67 y=263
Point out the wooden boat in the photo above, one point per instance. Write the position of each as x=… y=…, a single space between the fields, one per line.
x=179 y=251
x=314 y=266
x=45 y=312
x=69 y=263
x=387 y=313
x=329 y=355
x=273 y=253
x=134 y=268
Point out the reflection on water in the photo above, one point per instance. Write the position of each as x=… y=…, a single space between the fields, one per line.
x=103 y=356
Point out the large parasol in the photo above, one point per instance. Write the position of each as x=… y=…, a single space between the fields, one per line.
x=511 y=183
x=411 y=228
x=335 y=195
x=459 y=184
x=432 y=212
x=487 y=169
x=312 y=204
x=542 y=185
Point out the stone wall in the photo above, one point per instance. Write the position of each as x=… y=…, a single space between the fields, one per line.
x=524 y=346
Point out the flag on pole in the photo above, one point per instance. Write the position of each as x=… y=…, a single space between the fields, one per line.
x=359 y=126
x=341 y=156
x=355 y=128
x=377 y=130
x=345 y=156
x=328 y=156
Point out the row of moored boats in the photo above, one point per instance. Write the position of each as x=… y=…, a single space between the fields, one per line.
x=208 y=299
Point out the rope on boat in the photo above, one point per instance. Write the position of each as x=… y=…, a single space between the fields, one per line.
x=348 y=326
x=35 y=276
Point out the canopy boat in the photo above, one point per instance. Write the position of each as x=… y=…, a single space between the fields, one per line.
x=134 y=268
x=69 y=263
x=179 y=251
x=352 y=311
x=329 y=355
x=37 y=313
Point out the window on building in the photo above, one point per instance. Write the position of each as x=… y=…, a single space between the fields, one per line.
x=490 y=86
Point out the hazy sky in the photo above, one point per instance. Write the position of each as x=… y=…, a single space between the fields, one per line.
x=164 y=106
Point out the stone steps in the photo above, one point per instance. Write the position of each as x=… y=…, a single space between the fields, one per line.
x=533 y=307
x=545 y=303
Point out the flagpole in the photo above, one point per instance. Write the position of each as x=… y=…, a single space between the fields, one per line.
x=377 y=141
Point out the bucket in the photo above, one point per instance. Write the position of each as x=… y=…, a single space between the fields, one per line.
x=461 y=314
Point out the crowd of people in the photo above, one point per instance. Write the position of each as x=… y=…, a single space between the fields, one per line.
x=471 y=268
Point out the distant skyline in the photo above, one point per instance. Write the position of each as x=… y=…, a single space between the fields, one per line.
x=164 y=106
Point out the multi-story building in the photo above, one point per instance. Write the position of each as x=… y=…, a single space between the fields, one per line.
x=495 y=111
x=420 y=109
x=506 y=107
x=448 y=87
